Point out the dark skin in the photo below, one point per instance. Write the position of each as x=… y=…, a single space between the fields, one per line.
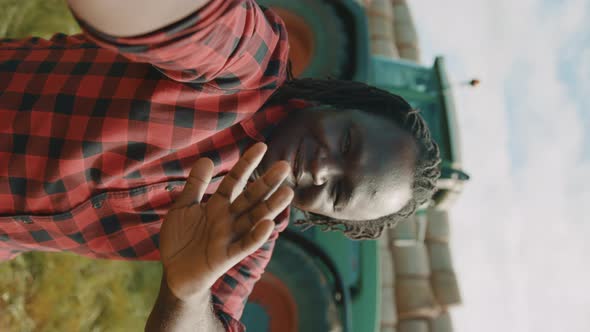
x=347 y=164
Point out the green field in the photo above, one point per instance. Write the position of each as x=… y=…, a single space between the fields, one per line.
x=63 y=292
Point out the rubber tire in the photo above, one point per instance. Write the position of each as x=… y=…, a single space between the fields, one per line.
x=309 y=287
x=331 y=40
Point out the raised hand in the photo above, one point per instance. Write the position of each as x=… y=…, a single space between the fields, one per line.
x=199 y=242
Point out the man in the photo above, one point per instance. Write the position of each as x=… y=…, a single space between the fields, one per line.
x=98 y=134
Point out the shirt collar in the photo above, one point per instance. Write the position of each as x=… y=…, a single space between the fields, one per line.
x=261 y=124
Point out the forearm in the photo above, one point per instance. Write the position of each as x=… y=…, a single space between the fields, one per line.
x=133 y=17
x=172 y=314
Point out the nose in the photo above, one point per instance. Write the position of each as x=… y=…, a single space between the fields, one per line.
x=324 y=167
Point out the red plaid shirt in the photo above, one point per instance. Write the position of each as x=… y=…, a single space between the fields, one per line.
x=98 y=134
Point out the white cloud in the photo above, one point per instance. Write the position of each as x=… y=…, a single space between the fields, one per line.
x=584 y=69
x=519 y=232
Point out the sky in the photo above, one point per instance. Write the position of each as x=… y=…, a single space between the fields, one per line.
x=520 y=229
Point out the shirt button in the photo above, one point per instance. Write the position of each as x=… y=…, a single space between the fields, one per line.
x=97 y=204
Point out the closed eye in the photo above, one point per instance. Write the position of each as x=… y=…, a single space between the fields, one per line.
x=336 y=194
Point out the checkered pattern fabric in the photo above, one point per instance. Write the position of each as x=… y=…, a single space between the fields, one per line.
x=98 y=134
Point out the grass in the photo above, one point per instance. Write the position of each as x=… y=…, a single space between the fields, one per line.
x=64 y=292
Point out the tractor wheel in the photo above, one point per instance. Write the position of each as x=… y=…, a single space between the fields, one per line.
x=293 y=295
x=317 y=34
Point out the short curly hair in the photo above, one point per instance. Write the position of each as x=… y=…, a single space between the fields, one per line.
x=360 y=96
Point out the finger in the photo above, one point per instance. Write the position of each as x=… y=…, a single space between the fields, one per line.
x=233 y=183
x=261 y=188
x=251 y=241
x=196 y=183
x=266 y=209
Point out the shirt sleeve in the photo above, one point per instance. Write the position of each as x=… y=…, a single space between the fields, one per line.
x=7 y=255
x=230 y=293
x=229 y=44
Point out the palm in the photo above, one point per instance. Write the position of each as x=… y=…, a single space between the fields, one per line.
x=194 y=251
x=201 y=241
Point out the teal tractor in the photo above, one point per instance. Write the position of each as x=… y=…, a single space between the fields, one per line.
x=320 y=281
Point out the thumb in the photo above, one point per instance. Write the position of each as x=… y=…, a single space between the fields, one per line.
x=252 y=240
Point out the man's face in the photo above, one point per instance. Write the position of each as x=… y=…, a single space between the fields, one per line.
x=347 y=164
